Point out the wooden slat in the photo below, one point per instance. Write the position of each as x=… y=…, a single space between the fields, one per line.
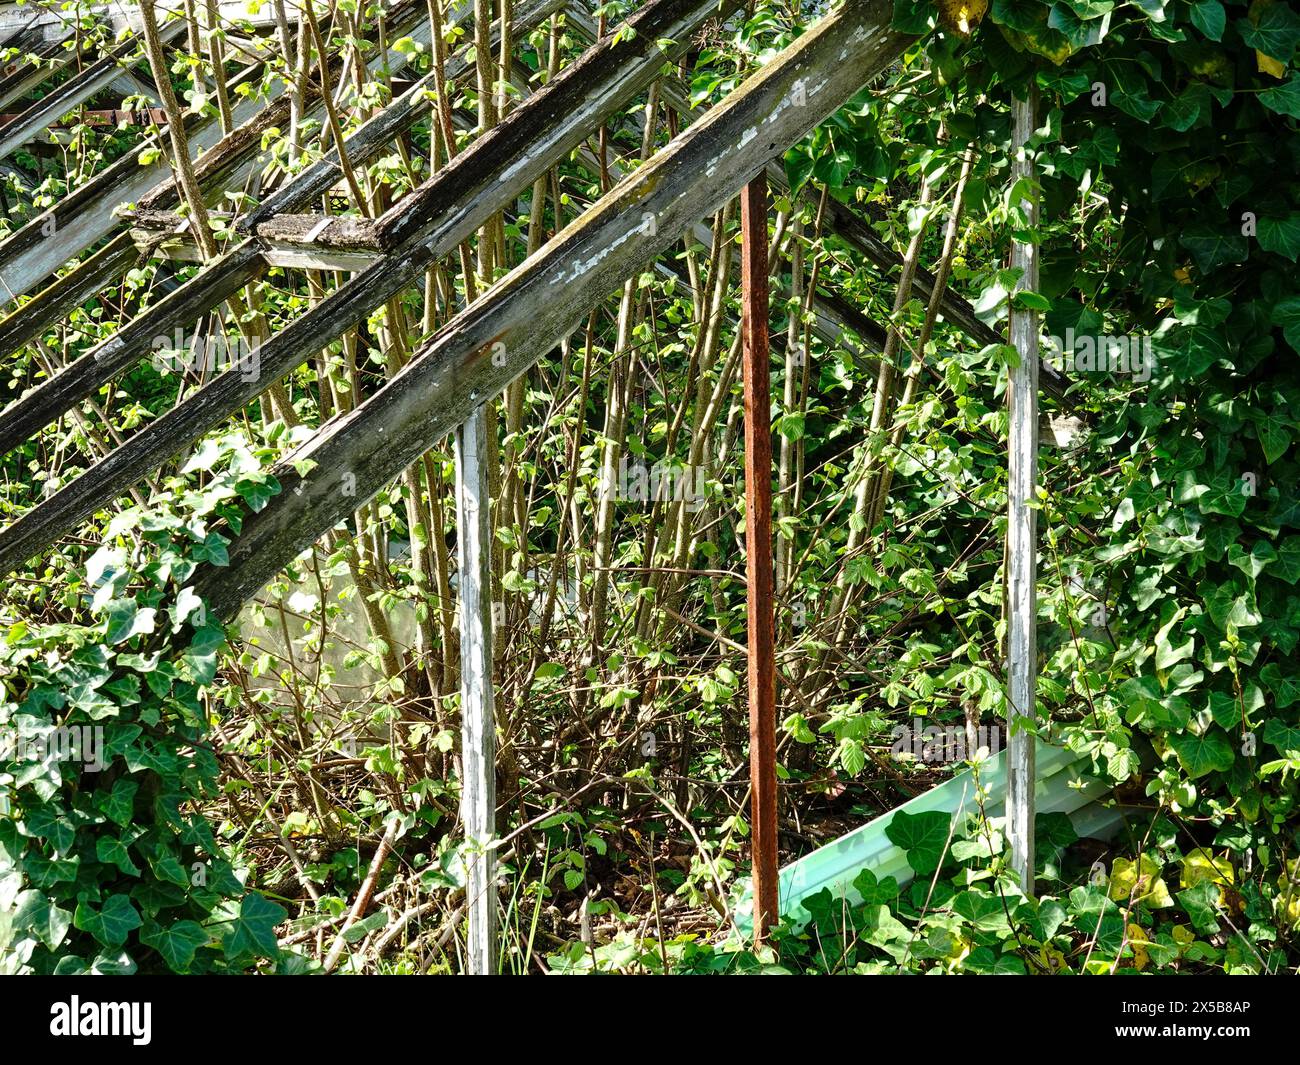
x=18 y=76
x=478 y=718
x=85 y=216
x=30 y=255
x=45 y=112
x=374 y=136
x=70 y=291
x=670 y=26
x=1022 y=541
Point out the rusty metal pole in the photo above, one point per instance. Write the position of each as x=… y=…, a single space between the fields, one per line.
x=758 y=552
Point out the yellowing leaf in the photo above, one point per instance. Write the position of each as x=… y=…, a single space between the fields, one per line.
x=962 y=16
x=1200 y=866
x=1139 y=881
x=1137 y=939
x=1048 y=42
x=1183 y=935
x=1268 y=65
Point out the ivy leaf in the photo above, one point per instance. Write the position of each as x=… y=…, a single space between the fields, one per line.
x=982 y=909
x=209 y=451
x=166 y=866
x=35 y=912
x=1287 y=567
x=1275 y=33
x=1286 y=738
x=1182 y=112
x=1169 y=653
x=1285 y=688
x=187 y=602
x=1274 y=434
x=875 y=891
x=1201 y=904
x=48 y=823
x=253 y=931
x=913 y=17
x=1154 y=9
x=1285 y=98
x=177 y=943
x=112 y=923
x=1286 y=314
x=117 y=963
x=113 y=852
x=1280 y=235
x=1200 y=755
x=1140 y=880
x=1053 y=833
x=834 y=167
x=1209 y=17
x=1212 y=245
x=962 y=16
x=921 y=836
x=798 y=167
x=1080 y=32
x=126 y=619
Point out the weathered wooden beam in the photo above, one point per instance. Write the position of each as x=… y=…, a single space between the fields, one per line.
x=481 y=181
x=517 y=321
x=1022 y=540
x=85 y=216
x=841 y=221
x=832 y=313
x=347 y=245
x=477 y=712
x=759 y=603
x=84 y=376
x=230 y=161
x=26 y=24
x=120 y=16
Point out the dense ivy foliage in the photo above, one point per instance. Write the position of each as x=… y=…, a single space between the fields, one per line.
x=110 y=865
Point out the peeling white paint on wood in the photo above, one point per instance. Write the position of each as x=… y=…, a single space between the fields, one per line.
x=1022 y=544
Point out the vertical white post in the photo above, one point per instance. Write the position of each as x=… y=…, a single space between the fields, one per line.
x=1022 y=524
x=478 y=721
